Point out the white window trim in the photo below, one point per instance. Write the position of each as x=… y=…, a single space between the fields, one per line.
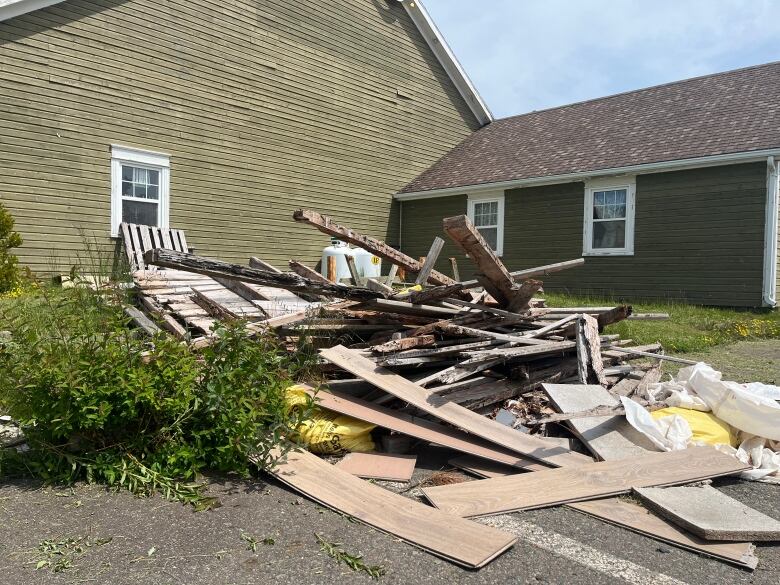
x=627 y=183
x=485 y=197
x=140 y=158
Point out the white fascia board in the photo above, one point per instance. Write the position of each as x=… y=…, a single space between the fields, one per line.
x=12 y=8
x=769 y=296
x=642 y=169
x=440 y=48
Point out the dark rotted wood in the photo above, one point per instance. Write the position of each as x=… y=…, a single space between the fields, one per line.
x=433 y=294
x=373 y=245
x=285 y=280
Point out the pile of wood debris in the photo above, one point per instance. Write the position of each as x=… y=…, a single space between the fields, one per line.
x=489 y=373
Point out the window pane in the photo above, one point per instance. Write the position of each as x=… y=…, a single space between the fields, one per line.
x=609 y=234
x=620 y=197
x=139 y=190
x=139 y=175
x=127 y=189
x=139 y=212
x=151 y=192
x=490 y=235
x=153 y=177
x=127 y=173
x=598 y=198
x=486 y=213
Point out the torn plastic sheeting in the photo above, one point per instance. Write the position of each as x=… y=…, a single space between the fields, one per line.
x=670 y=433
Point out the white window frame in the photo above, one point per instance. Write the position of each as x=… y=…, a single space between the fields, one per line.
x=146 y=159
x=627 y=183
x=497 y=196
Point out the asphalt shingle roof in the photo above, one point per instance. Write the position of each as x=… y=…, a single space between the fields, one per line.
x=735 y=111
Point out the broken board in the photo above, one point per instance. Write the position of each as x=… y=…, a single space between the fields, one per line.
x=709 y=513
x=385 y=466
x=467 y=420
x=592 y=480
x=461 y=541
x=607 y=437
x=481 y=467
x=628 y=515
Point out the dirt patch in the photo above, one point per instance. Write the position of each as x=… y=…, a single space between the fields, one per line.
x=744 y=361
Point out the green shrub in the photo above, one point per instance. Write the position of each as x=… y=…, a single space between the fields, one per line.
x=98 y=402
x=9 y=264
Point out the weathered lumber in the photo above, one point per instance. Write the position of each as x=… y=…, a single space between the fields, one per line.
x=464 y=542
x=309 y=273
x=142 y=321
x=167 y=321
x=493 y=275
x=455 y=271
x=453 y=329
x=286 y=280
x=214 y=309
x=357 y=280
x=520 y=275
x=589 y=351
x=598 y=411
x=404 y=308
x=255 y=262
x=431 y=294
x=379 y=287
x=430 y=261
x=657 y=356
x=454 y=414
x=376 y=247
x=649 y=317
x=554 y=487
x=391 y=274
x=396 y=345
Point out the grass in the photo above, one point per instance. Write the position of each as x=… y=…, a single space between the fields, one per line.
x=690 y=328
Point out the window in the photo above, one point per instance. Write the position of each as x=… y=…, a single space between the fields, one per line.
x=140 y=183
x=486 y=212
x=609 y=218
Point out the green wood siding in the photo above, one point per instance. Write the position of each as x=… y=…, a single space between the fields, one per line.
x=264 y=107
x=698 y=236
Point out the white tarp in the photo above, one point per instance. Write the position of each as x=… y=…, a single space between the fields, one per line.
x=752 y=409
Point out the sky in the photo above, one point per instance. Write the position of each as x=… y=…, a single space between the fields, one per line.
x=525 y=55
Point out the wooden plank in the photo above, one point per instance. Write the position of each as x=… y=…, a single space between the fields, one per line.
x=481 y=467
x=379 y=287
x=183 y=239
x=357 y=280
x=128 y=242
x=156 y=239
x=554 y=487
x=165 y=234
x=430 y=261
x=589 y=351
x=520 y=275
x=386 y=466
x=419 y=428
x=431 y=294
x=167 y=321
x=286 y=280
x=494 y=275
x=455 y=271
x=607 y=437
x=709 y=513
x=142 y=321
x=306 y=272
x=404 y=308
x=146 y=239
x=391 y=275
x=137 y=251
x=454 y=414
x=396 y=345
x=373 y=245
x=638 y=519
x=255 y=262
x=461 y=541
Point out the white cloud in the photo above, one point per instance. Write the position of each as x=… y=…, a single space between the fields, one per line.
x=532 y=54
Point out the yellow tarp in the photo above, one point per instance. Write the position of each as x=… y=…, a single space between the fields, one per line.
x=706 y=427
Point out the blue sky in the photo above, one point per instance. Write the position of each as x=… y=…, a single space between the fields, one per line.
x=528 y=55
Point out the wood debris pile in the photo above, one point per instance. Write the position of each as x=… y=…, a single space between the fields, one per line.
x=481 y=366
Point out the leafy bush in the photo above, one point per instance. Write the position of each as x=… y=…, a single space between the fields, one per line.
x=9 y=269
x=100 y=403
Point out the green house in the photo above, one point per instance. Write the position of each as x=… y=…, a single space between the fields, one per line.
x=667 y=192
x=219 y=118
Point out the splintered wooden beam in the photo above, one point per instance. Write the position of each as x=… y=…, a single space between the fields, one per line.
x=377 y=247
x=430 y=261
x=520 y=275
x=285 y=280
x=255 y=262
x=493 y=275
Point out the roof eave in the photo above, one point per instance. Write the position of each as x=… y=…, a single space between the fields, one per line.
x=639 y=169
x=440 y=48
x=12 y=8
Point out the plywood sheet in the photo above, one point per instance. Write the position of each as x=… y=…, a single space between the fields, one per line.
x=387 y=466
x=450 y=412
x=455 y=539
x=710 y=514
x=592 y=480
x=607 y=437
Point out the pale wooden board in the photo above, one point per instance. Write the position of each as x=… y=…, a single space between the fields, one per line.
x=455 y=539
x=592 y=480
x=420 y=428
x=637 y=519
x=607 y=437
x=710 y=514
x=450 y=412
x=379 y=465
x=481 y=467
